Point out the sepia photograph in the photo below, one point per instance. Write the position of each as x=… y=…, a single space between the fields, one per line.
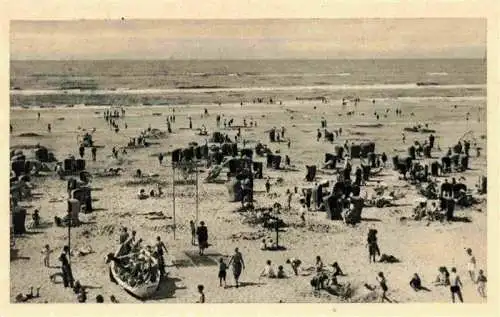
x=339 y=160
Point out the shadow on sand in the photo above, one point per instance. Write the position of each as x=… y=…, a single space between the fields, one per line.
x=245 y=284
x=167 y=288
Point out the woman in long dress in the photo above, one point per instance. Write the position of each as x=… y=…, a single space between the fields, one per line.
x=238 y=265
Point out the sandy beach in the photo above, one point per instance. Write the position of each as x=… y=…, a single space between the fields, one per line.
x=420 y=246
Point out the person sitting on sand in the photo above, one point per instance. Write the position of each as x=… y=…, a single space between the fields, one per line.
x=82 y=251
x=281 y=272
x=443 y=278
x=319 y=264
x=416 y=283
x=263 y=245
x=268 y=270
x=202 y=294
x=295 y=264
x=82 y=295
x=337 y=270
x=142 y=194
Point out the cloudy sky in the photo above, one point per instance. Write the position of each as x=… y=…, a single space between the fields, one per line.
x=243 y=39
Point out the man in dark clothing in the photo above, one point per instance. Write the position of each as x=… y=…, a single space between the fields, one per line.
x=431 y=141
x=94 y=153
x=358 y=176
x=202 y=233
x=81 y=150
x=67 y=273
x=160 y=158
x=160 y=247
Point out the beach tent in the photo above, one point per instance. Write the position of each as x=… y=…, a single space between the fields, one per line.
x=276 y=162
x=355 y=151
x=19 y=220
x=366 y=147
x=42 y=154
x=217 y=137
x=339 y=151
x=74 y=208
x=330 y=161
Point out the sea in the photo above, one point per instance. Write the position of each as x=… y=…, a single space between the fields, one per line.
x=175 y=82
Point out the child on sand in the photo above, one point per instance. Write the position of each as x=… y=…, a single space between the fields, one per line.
x=222 y=272
x=383 y=285
x=202 y=294
x=46 y=251
x=481 y=283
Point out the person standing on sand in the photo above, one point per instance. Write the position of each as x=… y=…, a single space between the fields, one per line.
x=193 y=232
x=289 y=196
x=455 y=286
x=481 y=283
x=49 y=127
x=237 y=264
x=38 y=116
x=94 y=153
x=383 y=285
x=268 y=186
x=46 y=251
x=372 y=244
x=471 y=265
x=222 y=272
x=81 y=150
x=190 y=123
x=202 y=233
x=160 y=158
x=67 y=273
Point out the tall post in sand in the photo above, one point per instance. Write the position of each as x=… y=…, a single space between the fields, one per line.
x=197 y=196
x=70 y=221
x=173 y=195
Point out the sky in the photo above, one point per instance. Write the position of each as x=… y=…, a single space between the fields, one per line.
x=248 y=39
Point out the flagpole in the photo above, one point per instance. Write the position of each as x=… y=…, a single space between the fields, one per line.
x=173 y=195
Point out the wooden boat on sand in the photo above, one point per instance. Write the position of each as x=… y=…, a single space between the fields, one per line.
x=141 y=291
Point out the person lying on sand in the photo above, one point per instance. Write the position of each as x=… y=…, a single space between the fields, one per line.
x=142 y=194
x=24 y=298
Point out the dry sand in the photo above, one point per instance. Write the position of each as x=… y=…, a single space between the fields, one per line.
x=421 y=248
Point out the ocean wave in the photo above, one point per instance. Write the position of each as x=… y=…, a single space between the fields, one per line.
x=438 y=74
x=244 y=89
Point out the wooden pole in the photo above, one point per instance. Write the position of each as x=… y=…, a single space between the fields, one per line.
x=70 y=221
x=173 y=195
x=197 y=196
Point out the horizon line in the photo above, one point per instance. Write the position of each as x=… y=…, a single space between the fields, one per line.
x=244 y=59
x=246 y=19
